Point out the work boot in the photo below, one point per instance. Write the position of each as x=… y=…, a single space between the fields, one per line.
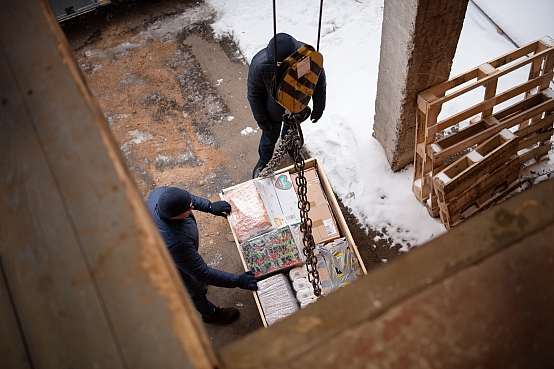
x=258 y=168
x=222 y=316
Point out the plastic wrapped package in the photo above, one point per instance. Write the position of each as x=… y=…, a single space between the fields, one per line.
x=340 y=262
x=353 y=260
x=307 y=302
x=248 y=217
x=304 y=289
x=305 y=295
x=276 y=298
x=297 y=235
x=271 y=252
x=301 y=283
x=324 y=276
x=298 y=272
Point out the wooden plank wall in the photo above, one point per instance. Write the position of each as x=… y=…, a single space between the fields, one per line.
x=85 y=270
x=479 y=296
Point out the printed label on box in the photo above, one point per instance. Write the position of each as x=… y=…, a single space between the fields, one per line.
x=280 y=199
x=329 y=226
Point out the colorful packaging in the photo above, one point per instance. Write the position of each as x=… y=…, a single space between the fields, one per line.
x=271 y=252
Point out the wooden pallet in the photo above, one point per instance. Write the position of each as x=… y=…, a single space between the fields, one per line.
x=465 y=186
x=481 y=195
x=530 y=118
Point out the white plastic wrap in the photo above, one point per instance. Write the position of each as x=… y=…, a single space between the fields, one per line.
x=307 y=302
x=297 y=235
x=301 y=283
x=298 y=272
x=276 y=298
x=306 y=294
x=248 y=216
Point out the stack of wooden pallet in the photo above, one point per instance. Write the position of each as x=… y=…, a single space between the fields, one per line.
x=461 y=171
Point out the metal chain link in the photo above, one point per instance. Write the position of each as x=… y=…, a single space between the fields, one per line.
x=279 y=154
x=293 y=141
x=305 y=221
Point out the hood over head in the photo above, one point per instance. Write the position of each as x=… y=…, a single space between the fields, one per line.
x=286 y=45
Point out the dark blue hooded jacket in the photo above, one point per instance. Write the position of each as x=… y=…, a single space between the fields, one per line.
x=182 y=239
x=261 y=72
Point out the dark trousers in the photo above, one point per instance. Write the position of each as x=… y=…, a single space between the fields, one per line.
x=269 y=139
x=197 y=292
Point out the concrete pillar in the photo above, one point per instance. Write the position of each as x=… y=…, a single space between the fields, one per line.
x=418 y=44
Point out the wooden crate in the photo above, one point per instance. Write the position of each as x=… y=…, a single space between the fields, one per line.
x=530 y=119
x=468 y=185
x=334 y=205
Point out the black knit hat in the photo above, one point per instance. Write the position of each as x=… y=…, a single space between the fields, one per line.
x=286 y=46
x=173 y=202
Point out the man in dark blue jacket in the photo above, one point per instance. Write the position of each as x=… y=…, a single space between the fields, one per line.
x=171 y=209
x=267 y=112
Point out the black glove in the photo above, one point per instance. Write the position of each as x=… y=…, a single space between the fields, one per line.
x=315 y=116
x=221 y=208
x=265 y=125
x=247 y=281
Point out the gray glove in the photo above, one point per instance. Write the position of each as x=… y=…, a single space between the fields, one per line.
x=247 y=281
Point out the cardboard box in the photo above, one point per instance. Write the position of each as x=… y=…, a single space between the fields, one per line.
x=324 y=225
x=280 y=199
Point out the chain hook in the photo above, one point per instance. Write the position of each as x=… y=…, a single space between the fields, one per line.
x=294 y=120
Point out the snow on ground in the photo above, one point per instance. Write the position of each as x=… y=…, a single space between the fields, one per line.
x=350 y=43
x=523 y=21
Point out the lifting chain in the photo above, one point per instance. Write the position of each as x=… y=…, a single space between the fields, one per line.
x=293 y=141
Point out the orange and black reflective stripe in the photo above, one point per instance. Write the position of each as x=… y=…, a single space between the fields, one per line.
x=292 y=92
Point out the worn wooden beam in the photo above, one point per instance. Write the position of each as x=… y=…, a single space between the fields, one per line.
x=13 y=351
x=484 y=284
x=89 y=274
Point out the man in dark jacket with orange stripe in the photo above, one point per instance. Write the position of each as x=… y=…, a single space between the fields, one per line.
x=171 y=209
x=267 y=112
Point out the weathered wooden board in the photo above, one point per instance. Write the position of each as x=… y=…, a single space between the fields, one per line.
x=472 y=167
x=50 y=282
x=512 y=120
x=90 y=276
x=12 y=343
x=473 y=200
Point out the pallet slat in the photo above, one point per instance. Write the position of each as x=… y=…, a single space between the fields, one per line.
x=529 y=119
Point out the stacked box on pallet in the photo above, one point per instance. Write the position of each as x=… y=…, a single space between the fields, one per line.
x=467 y=185
x=439 y=143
